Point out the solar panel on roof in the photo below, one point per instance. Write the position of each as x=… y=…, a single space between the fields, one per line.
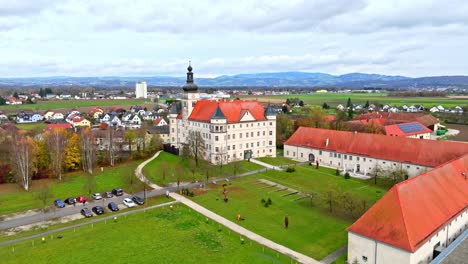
x=410 y=127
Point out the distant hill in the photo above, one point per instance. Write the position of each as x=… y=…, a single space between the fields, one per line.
x=274 y=79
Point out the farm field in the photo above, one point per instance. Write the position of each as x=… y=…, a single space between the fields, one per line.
x=313 y=230
x=69 y=104
x=162 y=175
x=14 y=199
x=333 y=99
x=161 y=235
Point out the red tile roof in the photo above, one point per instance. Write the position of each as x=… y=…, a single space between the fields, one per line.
x=58 y=126
x=232 y=109
x=396 y=118
x=412 y=211
x=330 y=118
x=429 y=153
x=395 y=130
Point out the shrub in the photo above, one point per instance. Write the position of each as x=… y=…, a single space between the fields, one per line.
x=265 y=204
x=263 y=201
x=346 y=176
x=337 y=172
x=290 y=169
x=269 y=201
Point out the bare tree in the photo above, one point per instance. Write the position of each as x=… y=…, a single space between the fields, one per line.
x=376 y=172
x=193 y=168
x=130 y=136
x=196 y=145
x=56 y=141
x=236 y=166
x=90 y=185
x=179 y=173
x=88 y=151
x=44 y=195
x=22 y=159
x=111 y=150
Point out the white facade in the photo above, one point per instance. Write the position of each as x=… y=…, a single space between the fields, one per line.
x=349 y=162
x=141 y=90
x=366 y=250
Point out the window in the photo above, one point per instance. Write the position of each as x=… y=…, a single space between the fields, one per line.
x=270 y=133
x=339 y=156
x=240 y=146
x=233 y=136
x=364 y=159
x=247 y=134
x=216 y=149
x=240 y=125
x=394 y=164
x=287 y=152
x=228 y=147
x=350 y=157
x=345 y=156
x=302 y=155
x=246 y=145
x=294 y=154
x=240 y=135
x=357 y=158
x=233 y=147
x=229 y=137
x=320 y=152
x=251 y=144
x=258 y=144
x=407 y=166
x=334 y=155
x=384 y=162
x=258 y=133
x=331 y=154
x=271 y=123
x=172 y=130
x=270 y=143
x=264 y=132
x=251 y=133
x=216 y=138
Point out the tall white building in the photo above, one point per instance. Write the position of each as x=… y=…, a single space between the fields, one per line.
x=231 y=129
x=141 y=90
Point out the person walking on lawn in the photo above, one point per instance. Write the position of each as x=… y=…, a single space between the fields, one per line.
x=286 y=222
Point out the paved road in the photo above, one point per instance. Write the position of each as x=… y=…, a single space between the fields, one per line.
x=334 y=255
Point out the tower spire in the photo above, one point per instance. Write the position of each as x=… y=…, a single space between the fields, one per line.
x=190 y=86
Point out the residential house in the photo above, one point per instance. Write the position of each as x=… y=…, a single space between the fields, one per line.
x=78 y=121
x=411 y=130
x=340 y=107
x=160 y=122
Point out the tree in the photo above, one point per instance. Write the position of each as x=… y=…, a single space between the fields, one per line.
x=155 y=144
x=185 y=152
x=23 y=153
x=284 y=129
x=89 y=185
x=130 y=180
x=130 y=136
x=193 y=168
x=44 y=195
x=339 y=122
x=374 y=128
x=325 y=106
x=179 y=173
x=164 y=169
x=397 y=174
x=196 y=146
x=42 y=156
x=349 y=103
x=301 y=103
x=2 y=101
x=367 y=104
x=284 y=108
x=88 y=151
x=111 y=151
x=318 y=117
x=376 y=172
x=15 y=95
x=236 y=166
x=56 y=142
x=350 y=113
x=72 y=152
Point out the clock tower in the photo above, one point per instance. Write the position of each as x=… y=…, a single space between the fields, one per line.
x=190 y=96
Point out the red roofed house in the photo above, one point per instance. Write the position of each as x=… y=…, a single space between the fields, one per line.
x=415 y=220
x=231 y=129
x=160 y=122
x=361 y=152
x=411 y=130
x=58 y=126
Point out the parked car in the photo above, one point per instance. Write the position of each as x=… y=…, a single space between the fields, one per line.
x=128 y=202
x=97 y=196
x=117 y=191
x=98 y=210
x=113 y=206
x=70 y=200
x=86 y=212
x=138 y=200
x=81 y=199
x=59 y=203
x=108 y=195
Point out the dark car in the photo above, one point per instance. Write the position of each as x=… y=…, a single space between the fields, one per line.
x=59 y=203
x=108 y=195
x=86 y=212
x=70 y=200
x=138 y=200
x=117 y=192
x=113 y=206
x=98 y=210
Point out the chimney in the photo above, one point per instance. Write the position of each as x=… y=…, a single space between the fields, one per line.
x=326 y=142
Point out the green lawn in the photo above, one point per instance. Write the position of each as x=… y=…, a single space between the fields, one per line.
x=32 y=126
x=313 y=230
x=333 y=99
x=14 y=199
x=277 y=161
x=162 y=235
x=155 y=170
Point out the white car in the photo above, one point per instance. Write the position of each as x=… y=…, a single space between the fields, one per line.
x=97 y=196
x=129 y=203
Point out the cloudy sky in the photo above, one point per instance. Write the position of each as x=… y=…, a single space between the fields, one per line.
x=142 y=38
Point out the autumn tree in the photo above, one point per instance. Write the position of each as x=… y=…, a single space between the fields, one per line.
x=88 y=150
x=42 y=157
x=318 y=117
x=130 y=137
x=339 y=122
x=374 y=128
x=196 y=146
x=23 y=154
x=72 y=152
x=155 y=144
x=284 y=128
x=56 y=141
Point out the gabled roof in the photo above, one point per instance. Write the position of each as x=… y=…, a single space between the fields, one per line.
x=269 y=111
x=396 y=118
x=218 y=114
x=413 y=210
x=402 y=129
x=232 y=109
x=429 y=153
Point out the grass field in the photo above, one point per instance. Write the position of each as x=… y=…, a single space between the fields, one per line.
x=32 y=126
x=68 y=104
x=312 y=230
x=14 y=199
x=161 y=235
x=153 y=170
x=277 y=161
x=333 y=99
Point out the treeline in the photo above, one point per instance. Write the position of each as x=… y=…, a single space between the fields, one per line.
x=417 y=94
x=51 y=154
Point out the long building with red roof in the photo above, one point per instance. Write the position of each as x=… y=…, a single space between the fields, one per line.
x=415 y=220
x=229 y=129
x=362 y=153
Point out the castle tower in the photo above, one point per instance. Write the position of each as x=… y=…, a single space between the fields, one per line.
x=191 y=94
